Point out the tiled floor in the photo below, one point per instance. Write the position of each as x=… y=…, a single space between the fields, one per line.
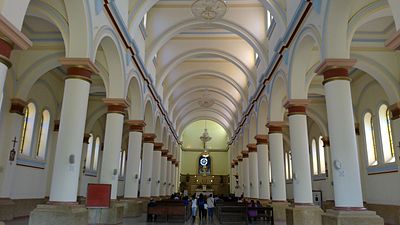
x=142 y=221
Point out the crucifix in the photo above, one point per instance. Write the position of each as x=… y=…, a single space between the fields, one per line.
x=12 y=152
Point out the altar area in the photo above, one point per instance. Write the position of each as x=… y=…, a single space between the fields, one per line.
x=212 y=184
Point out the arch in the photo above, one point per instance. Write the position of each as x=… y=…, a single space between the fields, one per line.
x=158 y=130
x=212 y=52
x=134 y=94
x=252 y=128
x=196 y=110
x=192 y=23
x=195 y=119
x=299 y=65
x=193 y=74
x=149 y=117
x=277 y=97
x=321 y=123
x=262 y=116
x=395 y=7
x=94 y=117
x=107 y=39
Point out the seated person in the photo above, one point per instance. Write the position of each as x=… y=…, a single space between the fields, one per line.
x=251 y=211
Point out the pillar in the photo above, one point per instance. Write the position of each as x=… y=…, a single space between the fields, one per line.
x=176 y=182
x=241 y=179
x=83 y=185
x=64 y=185
x=246 y=174
x=112 y=143
x=302 y=189
x=278 y=192
x=169 y=175
x=263 y=167
x=135 y=128
x=6 y=47
x=173 y=175
x=147 y=165
x=342 y=136
x=236 y=179
x=164 y=172
x=253 y=171
x=155 y=186
x=231 y=178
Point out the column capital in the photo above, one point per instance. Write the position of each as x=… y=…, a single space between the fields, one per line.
x=395 y=111
x=169 y=157
x=261 y=139
x=252 y=147
x=235 y=161
x=86 y=137
x=177 y=164
x=56 y=125
x=18 y=106
x=158 y=146
x=79 y=68
x=232 y=164
x=116 y=105
x=276 y=126
x=335 y=69
x=164 y=152
x=245 y=154
x=297 y=106
x=135 y=125
x=325 y=141
x=394 y=41
x=239 y=158
x=149 y=138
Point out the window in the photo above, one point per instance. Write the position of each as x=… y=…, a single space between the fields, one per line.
x=145 y=21
x=27 y=129
x=321 y=152
x=120 y=163
x=370 y=139
x=288 y=162
x=270 y=18
x=314 y=157
x=123 y=163
x=89 y=152
x=269 y=171
x=386 y=134
x=96 y=154
x=43 y=134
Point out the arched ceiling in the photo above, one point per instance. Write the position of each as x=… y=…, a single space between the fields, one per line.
x=204 y=70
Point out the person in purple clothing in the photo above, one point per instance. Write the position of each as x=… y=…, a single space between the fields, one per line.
x=252 y=211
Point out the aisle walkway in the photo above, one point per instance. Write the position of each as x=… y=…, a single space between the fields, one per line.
x=142 y=221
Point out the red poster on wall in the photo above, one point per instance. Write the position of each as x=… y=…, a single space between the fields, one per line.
x=98 y=196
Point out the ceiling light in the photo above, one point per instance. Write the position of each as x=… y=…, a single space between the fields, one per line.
x=209 y=10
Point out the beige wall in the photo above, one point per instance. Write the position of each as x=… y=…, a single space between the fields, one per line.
x=219 y=162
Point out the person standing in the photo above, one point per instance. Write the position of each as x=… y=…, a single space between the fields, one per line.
x=210 y=205
x=201 y=203
x=194 y=209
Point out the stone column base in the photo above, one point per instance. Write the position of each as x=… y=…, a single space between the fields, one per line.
x=59 y=215
x=132 y=207
x=112 y=215
x=336 y=217
x=6 y=209
x=264 y=202
x=279 y=209
x=304 y=215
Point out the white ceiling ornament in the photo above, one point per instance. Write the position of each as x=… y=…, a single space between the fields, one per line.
x=206 y=101
x=209 y=10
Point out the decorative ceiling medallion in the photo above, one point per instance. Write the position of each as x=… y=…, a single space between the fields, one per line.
x=209 y=10
x=206 y=101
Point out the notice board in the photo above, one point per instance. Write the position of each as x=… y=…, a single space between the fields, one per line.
x=98 y=196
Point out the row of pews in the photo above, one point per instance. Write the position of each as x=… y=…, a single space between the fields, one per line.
x=168 y=210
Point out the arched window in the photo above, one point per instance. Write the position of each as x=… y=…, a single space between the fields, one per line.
x=43 y=134
x=287 y=165
x=120 y=163
x=321 y=151
x=27 y=129
x=370 y=139
x=314 y=157
x=269 y=18
x=96 y=153
x=269 y=171
x=89 y=152
x=123 y=163
x=386 y=134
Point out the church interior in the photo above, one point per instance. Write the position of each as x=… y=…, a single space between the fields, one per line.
x=110 y=107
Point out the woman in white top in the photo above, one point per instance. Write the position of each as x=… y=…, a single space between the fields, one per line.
x=210 y=206
x=194 y=208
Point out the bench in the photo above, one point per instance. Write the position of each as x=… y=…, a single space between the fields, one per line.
x=167 y=211
x=265 y=213
x=231 y=214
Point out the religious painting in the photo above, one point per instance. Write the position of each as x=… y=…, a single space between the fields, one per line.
x=204 y=164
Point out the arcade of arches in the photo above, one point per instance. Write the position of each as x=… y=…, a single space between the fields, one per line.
x=301 y=99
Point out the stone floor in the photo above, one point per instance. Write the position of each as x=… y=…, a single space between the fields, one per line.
x=142 y=221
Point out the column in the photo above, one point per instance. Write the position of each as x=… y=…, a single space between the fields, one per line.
x=176 y=182
x=135 y=128
x=302 y=189
x=253 y=171
x=147 y=165
x=236 y=179
x=64 y=182
x=82 y=184
x=231 y=178
x=6 y=47
x=263 y=166
x=155 y=186
x=163 y=191
x=246 y=174
x=173 y=175
x=169 y=175
x=112 y=143
x=278 y=192
x=346 y=174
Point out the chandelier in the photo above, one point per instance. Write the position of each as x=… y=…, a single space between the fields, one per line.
x=205 y=137
x=206 y=101
x=209 y=10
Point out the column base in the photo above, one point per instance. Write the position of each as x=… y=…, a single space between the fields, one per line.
x=112 y=215
x=59 y=215
x=336 y=217
x=6 y=209
x=132 y=207
x=264 y=202
x=303 y=215
x=279 y=209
